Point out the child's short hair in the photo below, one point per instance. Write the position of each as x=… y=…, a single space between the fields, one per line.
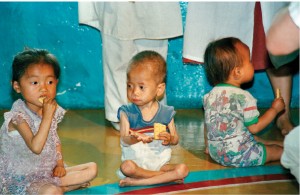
x=151 y=60
x=33 y=56
x=220 y=58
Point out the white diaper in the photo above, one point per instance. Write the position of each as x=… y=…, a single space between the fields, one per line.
x=151 y=156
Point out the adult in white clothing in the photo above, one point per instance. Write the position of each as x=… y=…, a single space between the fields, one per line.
x=126 y=29
x=291 y=152
x=248 y=21
x=283 y=36
x=208 y=21
x=283 y=39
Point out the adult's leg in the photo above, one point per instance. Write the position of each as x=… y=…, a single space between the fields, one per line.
x=158 y=45
x=116 y=55
x=282 y=79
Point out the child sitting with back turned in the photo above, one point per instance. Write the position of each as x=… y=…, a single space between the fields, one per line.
x=31 y=161
x=231 y=115
x=145 y=159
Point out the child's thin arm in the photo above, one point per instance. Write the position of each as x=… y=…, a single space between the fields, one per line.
x=171 y=138
x=124 y=130
x=174 y=136
x=263 y=121
x=59 y=170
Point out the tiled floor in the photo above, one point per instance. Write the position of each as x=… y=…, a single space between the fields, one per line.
x=87 y=136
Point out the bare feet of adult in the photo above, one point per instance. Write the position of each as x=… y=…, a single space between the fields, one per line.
x=284 y=123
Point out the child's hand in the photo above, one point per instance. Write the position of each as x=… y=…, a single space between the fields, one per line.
x=166 y=137
x=142 y=137
x=49 y=107
x=59 y=171
x=278 y=104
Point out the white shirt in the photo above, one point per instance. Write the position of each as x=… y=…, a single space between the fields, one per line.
x=208 y=21
x=294 y=9
x=133 y=20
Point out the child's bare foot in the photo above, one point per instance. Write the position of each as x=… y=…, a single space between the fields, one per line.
x=85 y=185
x=132 y=182
x=127 y=182
x=284 y=124
x=179 y=181
x=75 y=187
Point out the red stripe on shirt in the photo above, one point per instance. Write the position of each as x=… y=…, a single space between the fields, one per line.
x=250 y=108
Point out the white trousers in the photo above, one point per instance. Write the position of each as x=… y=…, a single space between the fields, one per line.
x=116 y=55
x=291 y=152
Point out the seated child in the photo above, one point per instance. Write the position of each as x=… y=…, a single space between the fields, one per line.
x=145 y=159
x=231 y=115
x=31 y=161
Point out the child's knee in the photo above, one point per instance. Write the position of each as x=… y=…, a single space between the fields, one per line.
x=128 y=168
x=94 y=169
x=182 y=170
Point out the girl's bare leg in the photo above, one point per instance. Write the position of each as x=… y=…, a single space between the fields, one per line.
x=282 y=79
x=78 y=176
x=50 y=189
x=74 y=187
x=179 y=172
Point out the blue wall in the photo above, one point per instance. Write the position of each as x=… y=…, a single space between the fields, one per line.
x=54 y=26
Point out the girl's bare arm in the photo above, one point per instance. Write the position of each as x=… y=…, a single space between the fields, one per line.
x=36 y=142
x=59 y=170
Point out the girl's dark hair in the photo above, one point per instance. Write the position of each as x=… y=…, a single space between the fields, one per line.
x=220 y=58
x=33 y=56
x=152 y=60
